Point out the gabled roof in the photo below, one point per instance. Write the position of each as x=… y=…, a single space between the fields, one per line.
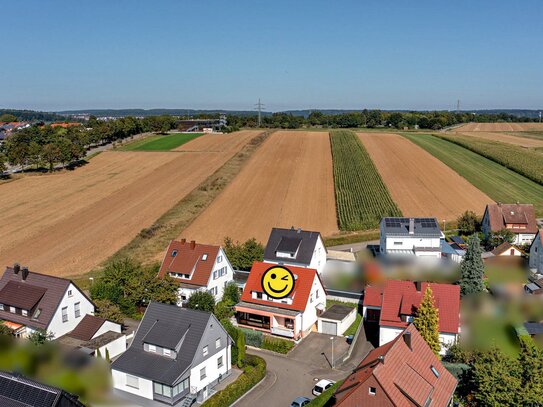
x=505 y=246
x=304 y=278
x=538 y=238
x=188 y=258
x=291 y=241
x=397 y=298
x=406 y=375
x=36 y=291
x=422 y=227
x=87 y=328
x=19 y=391
x=164 y=325
x=501 y=214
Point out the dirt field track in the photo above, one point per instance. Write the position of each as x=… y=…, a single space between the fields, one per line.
x=506 y=138
x=288 y=182
x=499 y=127
x=67 y=223
x=419 y=183
x=220 y=142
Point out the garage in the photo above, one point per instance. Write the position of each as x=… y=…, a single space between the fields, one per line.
x=336 y=319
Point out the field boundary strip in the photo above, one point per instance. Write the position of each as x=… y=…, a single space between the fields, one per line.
x=362 y=197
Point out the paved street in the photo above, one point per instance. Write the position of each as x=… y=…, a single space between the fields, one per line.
x=295 y=375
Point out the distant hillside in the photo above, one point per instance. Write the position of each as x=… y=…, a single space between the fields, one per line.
x=31 y=115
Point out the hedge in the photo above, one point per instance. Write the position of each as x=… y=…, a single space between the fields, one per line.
x=233 y=332
x=252 y=338
x=324 y=398
x=277 y=344
x=253 y=372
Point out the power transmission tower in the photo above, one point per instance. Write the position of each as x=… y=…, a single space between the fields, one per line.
x=259 y=107
x=539 y=117
x=458 y=106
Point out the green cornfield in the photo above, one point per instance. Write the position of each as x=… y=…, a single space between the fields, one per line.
x=524 y=161
x=362 y=198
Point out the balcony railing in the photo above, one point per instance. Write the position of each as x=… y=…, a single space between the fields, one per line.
x=282 y=331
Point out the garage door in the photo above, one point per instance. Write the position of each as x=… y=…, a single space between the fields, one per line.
x=329 y=328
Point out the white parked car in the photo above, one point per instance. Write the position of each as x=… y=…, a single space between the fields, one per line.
x=322 y=386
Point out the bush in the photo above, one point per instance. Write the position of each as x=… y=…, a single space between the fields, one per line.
x=252 y=338
x=201 y=300
x=234 y=333
x=324 y=399
x=240 y=343
x=277 y=344
x=254 y=371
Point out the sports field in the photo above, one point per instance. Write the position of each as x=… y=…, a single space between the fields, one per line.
x=420 y=184
x=161 y=142
x=498 y=182
x=288 y=182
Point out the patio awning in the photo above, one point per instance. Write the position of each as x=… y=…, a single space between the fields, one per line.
x=12 y=325
x=244 y=306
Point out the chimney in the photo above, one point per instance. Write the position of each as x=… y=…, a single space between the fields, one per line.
x=381 y=358
x=292 y=228
x=24 y=273
x=299 y=230
x=407 y=339
x=411 y=226
x=192 y=244
x=418 y=286
x=16 y=268
x=183 y=241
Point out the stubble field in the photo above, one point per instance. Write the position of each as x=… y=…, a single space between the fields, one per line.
x=420 y=184
x=506 y=138
x=288 y=182
x=499 y=127
x=68 y=223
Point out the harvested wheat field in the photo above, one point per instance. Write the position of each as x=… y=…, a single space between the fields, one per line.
x=498 y=127
x=506 y=138
x=220 y=142
x=419 y=183
x=68 y=223
x=288 y=182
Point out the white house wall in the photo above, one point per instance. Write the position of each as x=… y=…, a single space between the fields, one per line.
x=114 y=348
x=145 y=387
x=310 y=315
x=212 y=371
x=59 y=328
x=318 y=260
x=446 y=340
x=387 y=334
x=221 y=282
x=342 y=325
x=107 y=326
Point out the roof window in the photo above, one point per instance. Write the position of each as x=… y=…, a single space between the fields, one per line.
x=204 y=256
x=174 y=253
x=434 y=371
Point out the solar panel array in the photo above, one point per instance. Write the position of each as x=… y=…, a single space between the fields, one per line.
x=425 y=223
x=26 y=393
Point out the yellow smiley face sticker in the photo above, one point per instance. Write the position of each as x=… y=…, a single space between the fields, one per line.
x=278 y=282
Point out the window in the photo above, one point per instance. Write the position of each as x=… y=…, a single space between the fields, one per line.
x=174 y=253
x=64 y=314
x=219 y=362
x=257 y=295
x=1 y=307
x=205 y=350
x=77 y=309
x=179 y=388
x=311 y=298
x=218 y=343
x=203 y=373
x=372 y=391
x=213 y=290
x=12 y=310
x=152 y=348
x=167 y=352
x=132 y=381
x=219 y=259
x=204 y=257
x=434 y=371
x=25 y=313
x=317 y=294
x=70 y=293
x=215 y=275
x=37 y=314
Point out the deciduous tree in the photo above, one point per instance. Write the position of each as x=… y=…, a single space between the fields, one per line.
x=201 y=300
x=468 y=223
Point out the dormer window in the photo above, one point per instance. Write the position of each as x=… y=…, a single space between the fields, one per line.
x=24 y=313
x=372 y=391
x=12 y=310
x=152 y=348
x=204 y=257
x=37 y=314
x=174 y=253
x=1 y=307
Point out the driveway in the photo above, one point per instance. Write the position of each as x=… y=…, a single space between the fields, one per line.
x=295 y=374
x=354 y=247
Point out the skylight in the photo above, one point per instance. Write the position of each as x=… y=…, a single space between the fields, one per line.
x=434 y=371
x=204 y=256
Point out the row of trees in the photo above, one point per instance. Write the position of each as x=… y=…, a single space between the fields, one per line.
x=370 y=119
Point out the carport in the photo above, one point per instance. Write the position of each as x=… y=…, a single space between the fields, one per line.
x=336 y=319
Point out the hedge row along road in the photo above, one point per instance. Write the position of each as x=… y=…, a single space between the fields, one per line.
x=362 y=198
x=498 y=182
x=524 y=161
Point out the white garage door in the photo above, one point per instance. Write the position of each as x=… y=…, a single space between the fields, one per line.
x=329 y=328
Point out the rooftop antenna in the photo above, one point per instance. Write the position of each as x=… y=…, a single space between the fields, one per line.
x=259 y=107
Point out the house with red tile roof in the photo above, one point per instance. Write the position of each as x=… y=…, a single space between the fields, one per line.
x=393 y=305
x=517 y=218
x=536 y=253
x=197 y=266
x=403 y=372
x=294 y=316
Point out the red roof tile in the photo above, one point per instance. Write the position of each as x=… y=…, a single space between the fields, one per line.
x=372 y=296
x=402 y=298
x=189 y=259
x=300 y=293
x=403 y=373
x=501 y=214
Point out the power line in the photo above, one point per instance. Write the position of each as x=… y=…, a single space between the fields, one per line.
x=259 y=106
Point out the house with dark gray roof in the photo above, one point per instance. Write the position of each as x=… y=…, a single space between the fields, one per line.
x=296 y=247
x=177 y=356
x=19 y=391
x=32 y=301
x=419 y=237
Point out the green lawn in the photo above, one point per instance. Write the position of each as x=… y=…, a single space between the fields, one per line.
x=499 y=183
x=160 y=142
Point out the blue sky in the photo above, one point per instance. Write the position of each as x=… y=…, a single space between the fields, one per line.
x=395 y=54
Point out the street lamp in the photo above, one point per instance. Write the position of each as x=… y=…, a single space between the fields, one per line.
x=332 y=339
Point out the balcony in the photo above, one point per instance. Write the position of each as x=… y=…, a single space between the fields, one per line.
x=282 y=331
